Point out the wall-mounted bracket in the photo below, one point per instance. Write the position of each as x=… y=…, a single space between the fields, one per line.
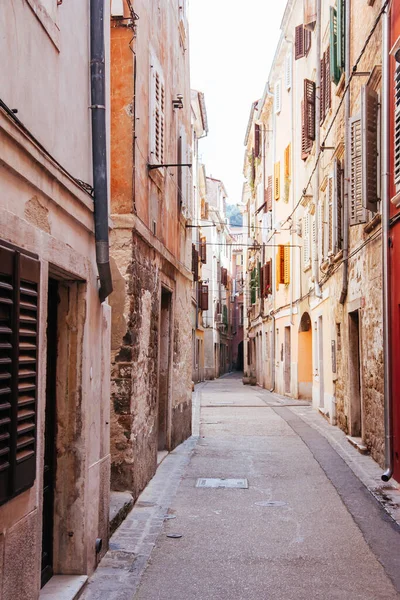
x=151 y=167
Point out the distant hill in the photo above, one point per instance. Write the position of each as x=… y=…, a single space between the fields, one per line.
x=234 y=215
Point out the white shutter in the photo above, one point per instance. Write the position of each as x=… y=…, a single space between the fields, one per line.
x=278 y=97
x=329 y=216
x=306 y=239
x=157 y=114
x=288 y=71
x=337 y=207
x=321 y=225
x=313 y=239
x=357 y=211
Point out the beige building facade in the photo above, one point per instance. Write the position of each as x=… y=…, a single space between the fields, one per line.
x=314 y=273
x=54 y=329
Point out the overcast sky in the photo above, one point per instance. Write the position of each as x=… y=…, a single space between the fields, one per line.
x=232 y=45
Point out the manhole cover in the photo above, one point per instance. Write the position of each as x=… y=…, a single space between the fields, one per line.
x=271 y=503
x=238 y=484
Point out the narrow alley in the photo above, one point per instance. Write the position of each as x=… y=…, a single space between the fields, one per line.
x=306 y=526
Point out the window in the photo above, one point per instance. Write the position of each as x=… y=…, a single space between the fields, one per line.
x=203 y=250
x=195 y=263
x=326 y=95
x=337 y=225
x=19 y=303
x=266 y=279
x=277 y=179
x=308 y=118
x=268 y=193
x=257 y=140
x=203 y=297
x=364 y=158
x=283 y=266
x=306 y=240
x=337 y=41
x=278 y=97
x=302 y=42
x=288 y=71
x=157 y=114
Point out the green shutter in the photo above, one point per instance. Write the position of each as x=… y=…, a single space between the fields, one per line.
x=341 y=34
x=335 y=70
x=253 y=286
x=258 y=279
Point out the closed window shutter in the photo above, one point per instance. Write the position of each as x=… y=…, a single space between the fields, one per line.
x=328 y=87
x=253 y=286
x=307 y=41
x=286 y=272
x=329 y=217
x=335 y=69
x=310 y=14
x=19 y=304
x=268 y=278
x=287 y=165
x=269 y=194
x=306 y=239
x=159 y=117
x=195 y=263
x=309 y=113
x=321 y=224
x=277 y=179
x=278 y=97
x=397 y=126
x=305 y=143
x=260 y=279
x=288 y=71
x=204 y=297
x=341 y=34
x=357 y=211
x=203 y=250
x=369 y=118
x=257 y=146
x=299 y=42
x=337 y=206
x=281 y=265
x=322 y=110
x=313 y=240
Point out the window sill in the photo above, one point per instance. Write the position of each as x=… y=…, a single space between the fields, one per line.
x=46 y=21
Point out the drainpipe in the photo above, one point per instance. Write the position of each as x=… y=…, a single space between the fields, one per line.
x=317 y=146
x=292 y=171
x=99 y=146
x=273 y=356
x=346 y=186
x=385 y=246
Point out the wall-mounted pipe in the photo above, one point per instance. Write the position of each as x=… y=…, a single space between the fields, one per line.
x=99 y=146
x=385 y=246
x=346 y=186
x=317 y=145
x=273 y=350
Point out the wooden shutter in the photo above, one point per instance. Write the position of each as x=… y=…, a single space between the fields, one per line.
x=329 y=216
x=224 y=276
x=277 y=180
x=19 y=305
x=299 y=42
x=335 y=69
x=268 y=278
x=253 y=285
x=278 y=97
x=286 y=267
x=357 y=211
x=269 y=194
x=306 y=239
x=305 y=143
x=369 y=119
x=341 y=34
x=307 y=41
x=159 y=117
x=397 y=125
x=203 y=250
x=195 y=263
x=322 y=110
x=328 y=88
x=314 y=239
x=288 y=71
x=310 y=14
x=179 y=174
x=204 y=297
x=257 y=145
x=280 y=270
x=309 y=112
x=337 y=227
x=321 y=210
x=287 y=165
x=259 y=279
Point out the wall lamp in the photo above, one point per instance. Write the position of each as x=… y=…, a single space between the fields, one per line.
x=178 y=102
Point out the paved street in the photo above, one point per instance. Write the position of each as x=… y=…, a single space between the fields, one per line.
x=306 y=527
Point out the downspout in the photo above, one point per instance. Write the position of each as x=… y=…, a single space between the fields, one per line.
x=346 y=186
x=273 y=356
x=318 y=147
x=385 y=246
x=292 y=171
x=99 y=146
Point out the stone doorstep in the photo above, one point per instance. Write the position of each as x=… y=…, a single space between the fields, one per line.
x=358 y=444
x=121 y=504
x=63 y=587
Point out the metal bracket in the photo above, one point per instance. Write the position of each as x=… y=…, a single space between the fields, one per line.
x=151 y=167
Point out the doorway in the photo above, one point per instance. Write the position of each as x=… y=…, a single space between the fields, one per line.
x=305 y=373
x=239 y=364
x=164 y=370
x=49 y=471
x=321 y=362
x=287 y=363
x=355 y=412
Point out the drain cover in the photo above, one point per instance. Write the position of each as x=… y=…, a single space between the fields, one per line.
x=238 y=484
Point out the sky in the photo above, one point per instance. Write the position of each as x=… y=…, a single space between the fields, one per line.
x=232 y=45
